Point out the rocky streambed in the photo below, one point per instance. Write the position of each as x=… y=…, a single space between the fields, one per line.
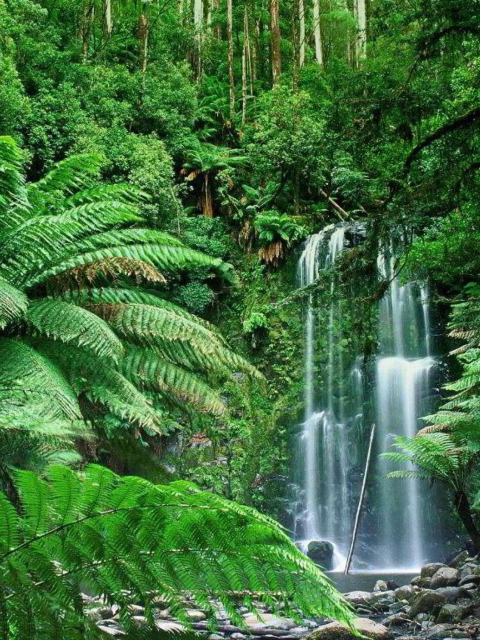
x=443 y=602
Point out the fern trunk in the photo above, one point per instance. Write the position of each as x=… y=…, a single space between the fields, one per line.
x=464 y=511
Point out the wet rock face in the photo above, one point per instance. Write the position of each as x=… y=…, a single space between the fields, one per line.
x=321 y=552
x=445 y=577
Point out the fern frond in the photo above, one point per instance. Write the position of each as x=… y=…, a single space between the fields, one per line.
x=14 y=205
x=69 y=175
x=74 y=325
x=25 y=367
x=147 y=370
x=13 y=304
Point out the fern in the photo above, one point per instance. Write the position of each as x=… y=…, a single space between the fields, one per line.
x=129 y=539
x=13 y=304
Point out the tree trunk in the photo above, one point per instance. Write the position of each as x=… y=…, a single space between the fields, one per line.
x=108 y=18
x=462 y=506
x=275 y=40
x=244 y=67
x=361 y=41
x=88 y=17
x=317 y=29
x=198 y=26
x=143 y=42
x=207 y=197
x=230 y=58
x=301 y=21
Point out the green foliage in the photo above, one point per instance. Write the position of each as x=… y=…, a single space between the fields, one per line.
x=126 y=538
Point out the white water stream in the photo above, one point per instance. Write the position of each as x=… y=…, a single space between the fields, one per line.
x=331 y=444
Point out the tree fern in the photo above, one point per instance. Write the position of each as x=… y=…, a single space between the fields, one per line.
x=13 y=304
x=129 y=540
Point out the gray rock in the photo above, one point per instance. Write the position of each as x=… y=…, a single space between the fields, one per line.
x=427 y=602
x=358 y=597
x=451 y=613
x=194 y=615
x=452 y=594
x=397 y=620
x=238 y=636
x=216 y=636
x=429 y=570
x=421 y=582
x=408 y=593
x=445 y=577
x=469 y=568
x=168 y=626
x=470 y=578
x=321 y=552
x=381 y=585
x=459 y=560
x=268 y=621
x=115 y=632
x=340 y=631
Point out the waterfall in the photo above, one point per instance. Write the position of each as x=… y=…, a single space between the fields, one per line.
x=403 y=386
x=330 y=447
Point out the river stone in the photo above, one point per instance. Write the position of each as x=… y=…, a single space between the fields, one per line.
x=427 y=602
x=421 y=582
x=408 y=593
x=469 y=578
x=459 y=560
x=429 y=570
x=168 y=626
x=321 y=552
x=445 y=577
x=358 y=597
x=340 y=631
x=452 y=594
x=111 y=631
x=450 y=613
x=381 y=585
x=216 y=636
x=195 y=616
x=268 y=621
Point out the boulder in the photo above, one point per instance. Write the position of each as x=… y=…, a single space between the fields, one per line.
x=429 y=570
x=452 y=594
x=340 y=631
x=450 y=613
x=408 y=593
x=469 y=579
x=421 y=582
x=427 y=602
x=111 y=631
x=445 y=577
x=321 y=552
x=459 y=560
x=381 y=585
x=194 y=615
x=268 y=621
x=168 y=626
x=358 y=597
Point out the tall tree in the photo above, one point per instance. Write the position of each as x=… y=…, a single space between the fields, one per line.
x=361 y=39
x=198 y=26
x=230 y=58
x=108 y=17
x=317 y=32
x=301 y=20
x=275 y=40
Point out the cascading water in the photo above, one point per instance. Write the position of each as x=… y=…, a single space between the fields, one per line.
x=403 y=388
x=330 y=450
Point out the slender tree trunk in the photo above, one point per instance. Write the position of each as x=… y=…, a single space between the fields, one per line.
x=301 y=22
x=244 y=67
x=317 y=30
x=275 y=39
x=143 y=42
x=87 y=23
x=108 y=18
x=198 y=26
x=230 y=58
x=361 y=40
x=462 y=505
x=207 y=197
x=217 y=30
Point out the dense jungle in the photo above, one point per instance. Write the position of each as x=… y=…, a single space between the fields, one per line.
x=239 y=319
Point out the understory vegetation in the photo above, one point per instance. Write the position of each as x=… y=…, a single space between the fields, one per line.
x=161 y=164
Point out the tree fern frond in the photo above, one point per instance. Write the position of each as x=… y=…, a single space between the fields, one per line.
x=147 y=370
x=14 y=205
x=129 y=539
x=69 y=175
x=102 y=384
x=22 y=365
x=74 y=325
x=165 y=258
x=13 y=304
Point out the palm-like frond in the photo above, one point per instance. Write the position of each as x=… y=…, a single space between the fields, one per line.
x=74 y=325
x=13 y=304
x=127 y=538
x=147 y=370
